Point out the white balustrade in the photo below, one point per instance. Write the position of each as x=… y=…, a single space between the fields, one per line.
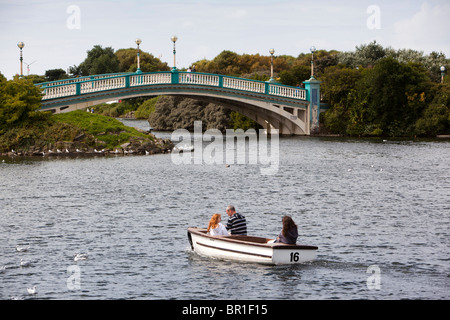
x=79 y=79
x=152 y=78
x=102 y=85
x=246 y=85
x=59 y=91
x=199 y=78
x=296 y=93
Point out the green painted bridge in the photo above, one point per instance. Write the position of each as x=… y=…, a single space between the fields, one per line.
x=290 y=110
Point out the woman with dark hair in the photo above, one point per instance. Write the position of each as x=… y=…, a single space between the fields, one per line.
x=289 y=233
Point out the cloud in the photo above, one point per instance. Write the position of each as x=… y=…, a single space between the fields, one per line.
x=240 y=13
x=426 y=29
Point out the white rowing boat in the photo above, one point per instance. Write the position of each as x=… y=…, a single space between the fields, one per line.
x=248 y=248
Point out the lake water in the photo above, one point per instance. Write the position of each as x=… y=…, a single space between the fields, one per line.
x=378 y=211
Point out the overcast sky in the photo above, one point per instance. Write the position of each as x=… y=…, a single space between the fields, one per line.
x=57 y=33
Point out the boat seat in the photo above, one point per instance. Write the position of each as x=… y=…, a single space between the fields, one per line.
x=249 y=238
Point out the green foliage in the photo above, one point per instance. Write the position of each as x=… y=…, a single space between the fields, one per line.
x=99 y=61
x=146 y=108
x=238 y=121
x=436 y=116
x=128 y=61
x=296 y=75
x=113 y=110
x=395 y=96
x=143 y=107
x=245 y=65
x=55 y=74
x=36 y=78
x=176 y=112
x=19 y=102
x=389 y=98
x=339 y=89
x=25 y=136
x=366 y=55
x=110 y=131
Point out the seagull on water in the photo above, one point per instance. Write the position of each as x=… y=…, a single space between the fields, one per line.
x=80 y=256
x=24 y=263
x=2 y=269
x=31 y=290
x=22 y=249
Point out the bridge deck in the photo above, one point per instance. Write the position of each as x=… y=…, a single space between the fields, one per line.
x=86 y=85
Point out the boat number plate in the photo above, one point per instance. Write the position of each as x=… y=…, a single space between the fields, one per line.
x=294 y=256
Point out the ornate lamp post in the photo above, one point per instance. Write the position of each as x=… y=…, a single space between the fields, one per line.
x=312 y=49
x=442 y=74
x=271 y=51
x=21 y=45
x=174 y=39
x=138 y=42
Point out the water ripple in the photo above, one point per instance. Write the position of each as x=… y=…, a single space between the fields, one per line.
x=130 y=214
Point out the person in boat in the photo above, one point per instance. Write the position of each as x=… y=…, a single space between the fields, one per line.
x=215 y=228
x=289 y=233
x=237 y=225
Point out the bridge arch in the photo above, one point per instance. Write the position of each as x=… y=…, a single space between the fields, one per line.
x=273 y=106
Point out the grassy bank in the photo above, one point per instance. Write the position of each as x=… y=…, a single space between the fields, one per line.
x=79 y=131
x=107 y=131
x=140 y=107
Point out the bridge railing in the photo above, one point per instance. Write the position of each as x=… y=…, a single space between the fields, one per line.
x=81 y=79
x=150 y=78
x=199 y=78
x=100 y=83
x=284 y=91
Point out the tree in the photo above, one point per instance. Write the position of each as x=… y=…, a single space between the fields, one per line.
x=436 y=116
x=19 y=101
x=55 y=74
x=366 y=55
x=36 y=78
x=339 y=90
x=394 y=94
x=128 y=61
x=295 y=76
x=226 y=62
x=99 y=61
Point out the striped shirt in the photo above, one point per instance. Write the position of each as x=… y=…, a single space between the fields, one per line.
x=237 y=224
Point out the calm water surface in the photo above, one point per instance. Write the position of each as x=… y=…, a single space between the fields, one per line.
x=363 y=203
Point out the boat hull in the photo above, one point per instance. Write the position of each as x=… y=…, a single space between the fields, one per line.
x=248 y=249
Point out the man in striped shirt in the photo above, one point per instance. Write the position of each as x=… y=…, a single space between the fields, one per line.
x=237 y=225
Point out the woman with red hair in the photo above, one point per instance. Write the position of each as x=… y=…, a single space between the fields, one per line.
x=215 y=228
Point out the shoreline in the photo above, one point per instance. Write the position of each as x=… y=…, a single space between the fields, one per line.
x=89 y=153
